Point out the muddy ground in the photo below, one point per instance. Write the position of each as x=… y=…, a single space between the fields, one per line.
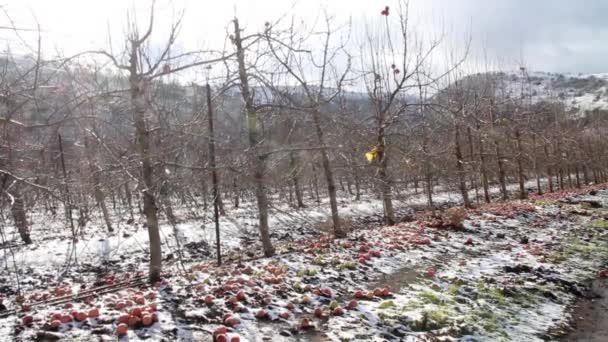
x=590 y=316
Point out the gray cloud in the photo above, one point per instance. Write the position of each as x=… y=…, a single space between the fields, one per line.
x=550 y=35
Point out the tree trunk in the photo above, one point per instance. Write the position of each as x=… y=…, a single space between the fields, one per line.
x=128 y=196
x=235 y=189
x=68 y=201
x=460 y=168
x=536 y=170
x=357 y=183
x=259 y=159
x=295 y=179
x=214 y=180
x=97 y=192
x=383 y=176
x=549 y=171
x=427 y=172
x=472 y=162
x=523 y=194
x=142 y=134
x=316 y=183
x=18 y=212
x=501 y=172
x=329 y=177
x=483 y=168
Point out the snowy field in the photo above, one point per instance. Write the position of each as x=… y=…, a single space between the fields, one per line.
x=511 y=273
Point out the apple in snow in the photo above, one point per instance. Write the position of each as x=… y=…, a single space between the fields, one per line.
x=137 y=312
x=134 y=321
x=338 y=311
x=121 y=329
x=27 y=320
x=147 y=320
x=80 y=316
x=261 y=314
x=221 y=330
x=124 y=318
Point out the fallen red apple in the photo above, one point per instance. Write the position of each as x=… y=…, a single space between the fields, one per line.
x=27 y=320
x=134 y=321
x=232 y=321
x=124 y=318
x=121 y=329
x=147 y=320
x=56 y=316
x=80 y=316
x=94 y=312
x=137 y=312
x=261 y=314
x=220 y=330
x=338 y=311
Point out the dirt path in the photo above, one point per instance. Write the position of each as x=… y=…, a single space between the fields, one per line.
x=591 y=317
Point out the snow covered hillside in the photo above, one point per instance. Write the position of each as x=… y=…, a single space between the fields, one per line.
x=579 y=93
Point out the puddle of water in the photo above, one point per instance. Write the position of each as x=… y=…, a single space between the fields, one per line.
x=270 y=331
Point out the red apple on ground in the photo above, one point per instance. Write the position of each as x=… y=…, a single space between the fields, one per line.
x=147 y=320
x=121 y=329
x=27 y=320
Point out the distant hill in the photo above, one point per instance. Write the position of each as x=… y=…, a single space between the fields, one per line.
x=579 y=93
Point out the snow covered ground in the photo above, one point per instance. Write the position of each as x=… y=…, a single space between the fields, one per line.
x=511 y=273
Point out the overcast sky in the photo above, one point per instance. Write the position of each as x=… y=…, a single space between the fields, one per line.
x=546 y=35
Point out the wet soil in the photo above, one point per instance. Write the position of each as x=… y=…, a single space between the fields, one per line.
x=591 y=316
